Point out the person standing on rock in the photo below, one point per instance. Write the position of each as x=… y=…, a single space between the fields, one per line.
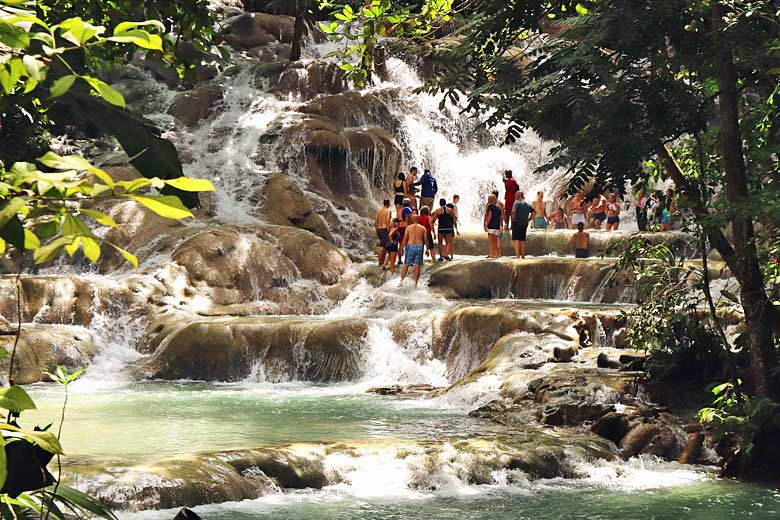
x=428 y=190
x=446 y=219
x=577 y=210
x=414 y=239
x=599 y=210
x=382 y=224
x=511 y=188
x=410 y=187
x=392 y=246
x=613 y=213
x=521 y=214
x=406 y=219
x=455 y=201
x=400 y=189
x=494 y=226
x=581 y=242
x=425 y=221
x=640 y=207
x=540 y=212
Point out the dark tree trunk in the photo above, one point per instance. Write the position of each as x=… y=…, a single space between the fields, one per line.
x=297 y=42
x=755 y=302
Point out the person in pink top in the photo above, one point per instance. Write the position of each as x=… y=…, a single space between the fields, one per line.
x=511 y=187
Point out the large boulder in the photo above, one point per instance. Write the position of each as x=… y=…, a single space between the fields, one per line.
x=42 y=348
x=191 y=107
x=274 y=349
x=255 y=29
x=284 y=204
x=305 y=79
x=238 y=264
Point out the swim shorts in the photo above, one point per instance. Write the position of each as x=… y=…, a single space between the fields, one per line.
x=601 y=217
x=581 y=253
x=540 y=223
x=613 y=220
x=383 y=235
x=519 y=232
x=577 y=218
x=414 y=254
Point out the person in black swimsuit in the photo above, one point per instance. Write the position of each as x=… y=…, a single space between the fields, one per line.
x=393 y=240
x=446 y=219
x=494 y=226
x=398 y=185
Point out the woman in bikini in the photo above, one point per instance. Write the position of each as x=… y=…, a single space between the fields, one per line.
x=398 y=186
x=613 y=213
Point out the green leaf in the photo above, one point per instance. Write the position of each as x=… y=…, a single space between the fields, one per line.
x=100 y=217
x=31 y=241
x=105 y=91
x=166 y=206
x=61 y=85
x=47 y=229
x=45 y=440
x=91 y=249
x=11 y=209
x=14 y=36
x=188 y=184
x=126 y=255
x=13 y=233
x=73 y=246
x=78 y=499
x=139 y=38
x=73 y=226
x=2 y=246
x=14 y=398
x=125 y=27
x=79 y=32
x=3 y=463
x=50 y=251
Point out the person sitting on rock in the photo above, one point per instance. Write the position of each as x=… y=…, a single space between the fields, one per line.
x=581 y=242
x=382 y=224
x=415 y=237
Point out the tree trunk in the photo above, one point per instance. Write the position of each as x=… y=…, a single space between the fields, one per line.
x=748 y=272
x=297 y=42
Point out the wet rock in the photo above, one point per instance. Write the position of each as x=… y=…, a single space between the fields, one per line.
x=186 y=514
x=304 y=80
x=612 y=426
x=228 y=349
x=70 y=300
x=42 y=348
x=692 y=449
x=633 y=362
x=492 y=409
x=191 y=107
x=603 y=361
x=353 y=109
x=637 y=439
x=386 y=390
x=409 y=390
x=663 y=444
x=284 y=204
x=693 y=428
x=252 y=30
x=565 y=354
x=237 y=264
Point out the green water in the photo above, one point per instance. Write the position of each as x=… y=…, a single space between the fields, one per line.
x=710 y=500
x=147 y=421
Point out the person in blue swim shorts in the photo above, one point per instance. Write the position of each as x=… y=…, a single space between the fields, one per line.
x=415 y=237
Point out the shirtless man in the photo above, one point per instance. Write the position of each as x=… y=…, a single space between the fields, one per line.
x=406 y=219
x=599 y=210
x=581 y=242
x=382 y=224
x=540 y=212
x=415 y=237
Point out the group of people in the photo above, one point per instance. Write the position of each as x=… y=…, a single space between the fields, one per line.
x=407 y=233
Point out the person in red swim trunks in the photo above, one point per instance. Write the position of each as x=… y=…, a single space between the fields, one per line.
x=425 y=221
x=511 y=187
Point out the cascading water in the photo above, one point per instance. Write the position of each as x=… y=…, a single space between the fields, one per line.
x=364 y=456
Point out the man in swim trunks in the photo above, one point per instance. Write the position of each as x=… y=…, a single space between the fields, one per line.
x=540 y=212
x=577 y=210
x=599 y=210
x=455 y=200
x=414 y=239
x=406 y=218
x=425 y=221
x=411 y=187
x=521 y=213
x=581 y=242
x=511 y=187
x=382 y=224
